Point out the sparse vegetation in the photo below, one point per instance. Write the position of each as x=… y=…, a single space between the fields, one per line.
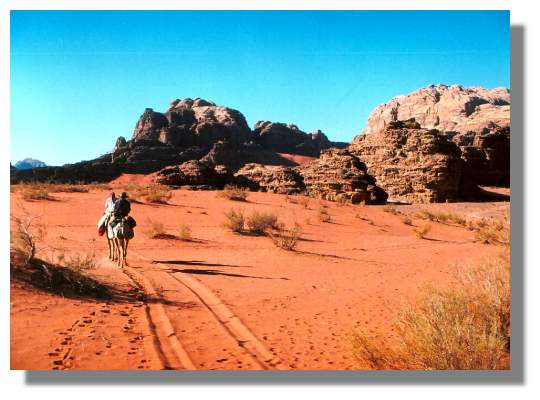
x=35 y=191
x=492 y=232
x=369 y=221
x=323 y=215
x=303 y=201
x=79 y=262
x=235 y=193
x=465 y=326
x=158 y=194
x=406 y=220
x=287 y=238
x=258 y=223
x=25 y=235
x=234 y=220
x=156 y=230
x=422 y=230
x=391 y=210
x=185 y=233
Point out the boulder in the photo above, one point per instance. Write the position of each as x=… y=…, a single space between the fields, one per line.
x=277 y=179
x=413 y=164
x=192 y=173
x=339 y=174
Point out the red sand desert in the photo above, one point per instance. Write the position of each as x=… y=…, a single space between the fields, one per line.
x=229 y=301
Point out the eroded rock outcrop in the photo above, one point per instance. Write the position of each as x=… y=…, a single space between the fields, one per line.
x=449 y=109
x=288 y=138
x=476 y=119
x=413 y=164
x=341 y=175
x=277 y=179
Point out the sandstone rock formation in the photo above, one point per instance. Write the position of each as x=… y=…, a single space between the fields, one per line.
x=288 y=138
x=277 y=179
x=451 y=109
x=192 y=123
x=193 y=173
x=340 y=175
x=476 y=119
x=337 y=176
x=412 y=164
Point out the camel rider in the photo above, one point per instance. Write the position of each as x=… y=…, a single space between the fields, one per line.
x=109 y=203
x=122 y=206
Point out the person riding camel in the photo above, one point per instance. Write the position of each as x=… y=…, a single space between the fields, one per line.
x=109 y=203
x=122 y=206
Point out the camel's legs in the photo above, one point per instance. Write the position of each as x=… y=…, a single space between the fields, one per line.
x=126 y=242
x=118 y=246
x=110 y=249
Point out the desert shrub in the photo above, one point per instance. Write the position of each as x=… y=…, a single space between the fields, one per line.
x=185 y=233
x=35 y=191
x=361 y=217
x=235 y=193
x=291 y=199
x=25 y=235
x=79 y=262
x=303 y=201
x=342 y=200
x=406 y=220
x=77 y=188
x=442 y=217
x=323 y=215
x=391 y=210
x=158 y=194
x=492 y=232
x=100 y=186
x=156 y=230
x=466 y=326
x=234 y=220
x=287 y=238
x=422 y=230
x=258 y=223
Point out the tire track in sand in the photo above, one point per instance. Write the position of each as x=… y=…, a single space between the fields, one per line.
x=169 y=345
x=232 y=324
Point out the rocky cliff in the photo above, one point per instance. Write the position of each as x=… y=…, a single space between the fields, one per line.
x=413 y=164
x=476 y=119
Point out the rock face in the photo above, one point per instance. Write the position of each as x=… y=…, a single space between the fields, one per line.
x=192 y=123
x=277 y=179
x=29 y=163
x=340 y=175
x=476 y=119
x=288 y=138
x=337 y=176
x=191 y=130
x=193 y=173
x=451 y=109
x=413 y=164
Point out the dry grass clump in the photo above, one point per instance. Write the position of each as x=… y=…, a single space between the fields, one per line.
x=158 y=194
x=422 y=230
x=442 y=217
x=258 y=223
x=406 y=220
x=303 y=201
x=391 y=210
x=35 y=191
x=79 y=262
x=287 y=238
x=156 y=230
x=235 y=193
x=323 y=215
x=185 y=233
x=100 y=186
x=463 y=327
x=291 y=199
x=69 y=188
x=361 y=217
x=492 y=232
x=234 y=220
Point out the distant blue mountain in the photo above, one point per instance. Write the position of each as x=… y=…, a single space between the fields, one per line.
x=29 y=163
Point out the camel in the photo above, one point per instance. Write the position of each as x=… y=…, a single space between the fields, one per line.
x=110 y=240
x=121 y=234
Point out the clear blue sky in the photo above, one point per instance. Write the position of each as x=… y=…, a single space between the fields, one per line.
x=80 y=79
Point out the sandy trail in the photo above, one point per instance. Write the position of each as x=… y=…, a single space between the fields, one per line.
x=228 y=301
